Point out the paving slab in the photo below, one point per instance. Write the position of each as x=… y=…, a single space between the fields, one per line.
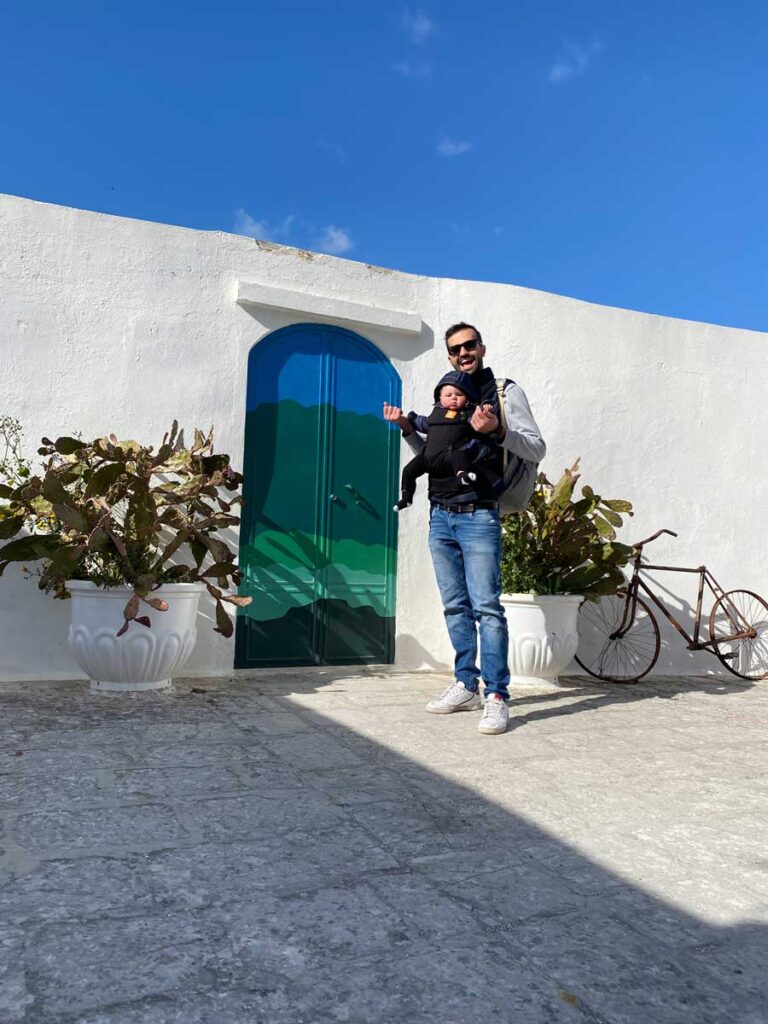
x=308 y=845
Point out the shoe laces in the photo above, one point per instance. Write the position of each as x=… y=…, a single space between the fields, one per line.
x=452 y=690
x=493 y=708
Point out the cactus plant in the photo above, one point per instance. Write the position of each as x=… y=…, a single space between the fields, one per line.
x=561 y=546
x=119 y=513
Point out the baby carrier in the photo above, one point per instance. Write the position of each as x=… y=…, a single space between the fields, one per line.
x=448 y=429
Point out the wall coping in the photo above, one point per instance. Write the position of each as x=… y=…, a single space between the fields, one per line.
x=327 y=307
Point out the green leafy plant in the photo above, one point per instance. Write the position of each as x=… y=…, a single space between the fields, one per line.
x=561 y=546
x=117 y=513
x=14 y=468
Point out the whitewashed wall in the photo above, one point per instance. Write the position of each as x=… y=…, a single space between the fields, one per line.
x=108 y=324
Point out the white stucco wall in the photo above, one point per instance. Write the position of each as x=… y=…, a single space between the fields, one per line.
x=109 y=324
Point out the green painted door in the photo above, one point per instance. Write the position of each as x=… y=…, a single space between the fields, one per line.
x=318 y=537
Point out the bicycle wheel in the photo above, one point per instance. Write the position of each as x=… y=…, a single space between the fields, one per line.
x=736 y=612
x=622 y=658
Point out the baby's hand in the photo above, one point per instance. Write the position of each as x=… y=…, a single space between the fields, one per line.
x=394 y=414
x=484 y=420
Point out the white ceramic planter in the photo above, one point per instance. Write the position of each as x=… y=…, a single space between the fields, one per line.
x=543 y=636
x=142 y=658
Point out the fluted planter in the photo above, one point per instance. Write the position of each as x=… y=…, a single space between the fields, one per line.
x=143 y=658
x=543 y=636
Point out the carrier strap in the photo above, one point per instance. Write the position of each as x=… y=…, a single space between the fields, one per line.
x=501 y=384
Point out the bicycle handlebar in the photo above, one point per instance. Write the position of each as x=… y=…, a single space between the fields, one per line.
x=648 y=540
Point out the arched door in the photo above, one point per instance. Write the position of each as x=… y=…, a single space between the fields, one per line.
x=318 y=535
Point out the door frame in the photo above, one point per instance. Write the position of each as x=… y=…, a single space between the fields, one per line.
x=390 y=537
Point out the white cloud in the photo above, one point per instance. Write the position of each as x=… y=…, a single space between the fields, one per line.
x=417 y=26
x=453 y=147
x=331 y=239
x=574 y=61
x=414 y=68
x=245 y=224
x=335 y=241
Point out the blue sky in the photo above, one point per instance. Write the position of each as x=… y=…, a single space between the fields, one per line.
x=613 y=152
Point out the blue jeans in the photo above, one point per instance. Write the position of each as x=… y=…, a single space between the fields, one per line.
x=466 y=554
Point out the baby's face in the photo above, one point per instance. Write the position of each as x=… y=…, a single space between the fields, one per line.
x=452 y=398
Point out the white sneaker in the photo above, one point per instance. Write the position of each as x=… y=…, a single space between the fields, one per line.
x=455 y=698
x=495 y=715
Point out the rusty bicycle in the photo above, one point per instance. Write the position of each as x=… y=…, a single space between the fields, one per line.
x=620 y=639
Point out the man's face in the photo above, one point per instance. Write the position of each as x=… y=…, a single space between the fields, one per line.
x=464 y=359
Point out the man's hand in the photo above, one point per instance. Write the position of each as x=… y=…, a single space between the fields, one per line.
x=484 y=421
x=393 y=414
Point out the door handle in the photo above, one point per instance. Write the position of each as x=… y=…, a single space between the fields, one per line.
x=353 y=492
x=333 y=497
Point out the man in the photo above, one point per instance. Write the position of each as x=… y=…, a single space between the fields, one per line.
x=465 y=540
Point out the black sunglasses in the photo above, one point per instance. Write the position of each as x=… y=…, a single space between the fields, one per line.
x=470 y=346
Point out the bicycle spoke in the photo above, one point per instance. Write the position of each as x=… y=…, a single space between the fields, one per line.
x=741 y=611
x=609 y=654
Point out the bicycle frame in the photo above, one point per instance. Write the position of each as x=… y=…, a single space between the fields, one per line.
x=693 y=642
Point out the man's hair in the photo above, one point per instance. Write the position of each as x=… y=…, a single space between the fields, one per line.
x=455 y=328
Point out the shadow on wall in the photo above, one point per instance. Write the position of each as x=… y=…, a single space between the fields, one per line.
x=33 y=631
x=674 y=657
x=410 y=652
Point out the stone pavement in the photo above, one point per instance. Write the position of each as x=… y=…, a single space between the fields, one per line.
x=310 y=846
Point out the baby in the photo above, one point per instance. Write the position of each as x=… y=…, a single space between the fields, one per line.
x=453 y=447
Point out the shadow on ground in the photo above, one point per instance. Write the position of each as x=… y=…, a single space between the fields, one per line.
x=310 y=847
